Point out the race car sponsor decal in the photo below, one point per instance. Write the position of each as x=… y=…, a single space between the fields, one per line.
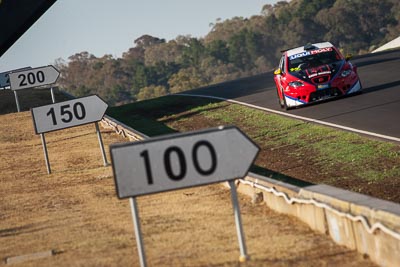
x=323 y=86
x=321 y=50
x=312 y=52
x=318 y=74
x=303 y=54
x=322 y=70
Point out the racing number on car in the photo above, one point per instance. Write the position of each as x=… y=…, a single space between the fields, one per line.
x=177 y=152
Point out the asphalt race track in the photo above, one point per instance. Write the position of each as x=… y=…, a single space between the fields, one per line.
x=376 y=110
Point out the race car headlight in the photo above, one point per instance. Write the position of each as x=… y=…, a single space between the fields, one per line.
x=296 y=84
x=345 y=73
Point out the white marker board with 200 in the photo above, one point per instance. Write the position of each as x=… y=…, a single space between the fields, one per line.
x=33 y=77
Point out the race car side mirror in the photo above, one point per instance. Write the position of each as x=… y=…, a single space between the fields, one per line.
x=277 y=72
x=349 y=56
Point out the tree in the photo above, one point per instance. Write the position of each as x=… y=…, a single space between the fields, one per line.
x=244 y=49
x=219 y=50
x=145 y=41
x=185 y=79
x=354 y=25
x=224 y=30
x=151 y=91
x=170 y=52
x=233 y=48
x=193 y=52
x=217 y=71
x=137 y=53
x=117 y=95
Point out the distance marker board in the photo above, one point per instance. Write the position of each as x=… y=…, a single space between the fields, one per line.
x=181 y=160
x=67 y=114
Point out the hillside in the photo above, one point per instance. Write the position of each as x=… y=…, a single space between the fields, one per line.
x=292 y=150
x=73 y=217
x=234 y=48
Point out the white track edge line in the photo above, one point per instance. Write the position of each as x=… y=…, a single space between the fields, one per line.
x=299 y=117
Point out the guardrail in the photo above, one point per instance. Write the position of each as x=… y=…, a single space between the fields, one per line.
x=369 y=225
x=122 y=129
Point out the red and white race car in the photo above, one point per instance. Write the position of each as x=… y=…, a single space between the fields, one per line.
x=312 y=73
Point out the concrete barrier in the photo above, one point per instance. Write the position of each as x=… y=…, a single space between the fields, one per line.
x=122 y=129
x=363 y=223
x=360 y=222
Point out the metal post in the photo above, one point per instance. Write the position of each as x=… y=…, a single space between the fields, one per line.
x=138 y=233
x=52 y=95
x=242 y=244
x=103 y=152
x=46 y=155
x=16 y=101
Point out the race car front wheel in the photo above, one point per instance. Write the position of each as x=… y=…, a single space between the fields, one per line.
x=282 y=101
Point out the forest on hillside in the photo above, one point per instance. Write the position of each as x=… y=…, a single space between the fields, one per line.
x=234 y=48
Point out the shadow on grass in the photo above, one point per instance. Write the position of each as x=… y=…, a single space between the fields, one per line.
x=27 y=98
x=278 y=176
x=147 y=116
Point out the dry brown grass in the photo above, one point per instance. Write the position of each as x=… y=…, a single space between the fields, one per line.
x=75 y=212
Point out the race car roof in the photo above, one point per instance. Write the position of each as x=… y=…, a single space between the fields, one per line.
x=302 y=49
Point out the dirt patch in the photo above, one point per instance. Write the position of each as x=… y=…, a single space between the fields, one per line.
x=301 y=164
x=75 y=212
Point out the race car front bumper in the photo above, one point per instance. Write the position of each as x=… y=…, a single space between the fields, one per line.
x=321 y=95
x=355 y=88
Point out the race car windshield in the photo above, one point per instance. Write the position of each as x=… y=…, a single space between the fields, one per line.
x=309 y=59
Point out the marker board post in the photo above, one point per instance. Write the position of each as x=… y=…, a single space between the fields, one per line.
x=69 y=114
x=5 y=82
x=103 y=152
x=17 y=101
x=53 y=98
x=180 y=161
